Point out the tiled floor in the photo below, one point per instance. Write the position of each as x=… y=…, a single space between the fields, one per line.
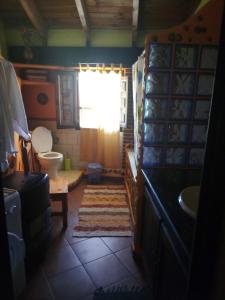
x=74 y=267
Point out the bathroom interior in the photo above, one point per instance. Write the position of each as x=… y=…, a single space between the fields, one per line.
x=154 y=83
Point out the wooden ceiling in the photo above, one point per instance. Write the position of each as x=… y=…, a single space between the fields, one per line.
x=134 y=15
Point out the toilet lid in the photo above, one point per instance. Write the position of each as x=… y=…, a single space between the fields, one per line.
x=41 y=139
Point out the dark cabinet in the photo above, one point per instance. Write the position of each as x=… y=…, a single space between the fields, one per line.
x=150 y=238
x=171 y=280
x=163 y=267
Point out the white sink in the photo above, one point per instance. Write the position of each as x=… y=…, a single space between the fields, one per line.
x=188 y=200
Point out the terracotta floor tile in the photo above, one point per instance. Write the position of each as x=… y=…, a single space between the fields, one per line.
x=106 y=270
x=72 y=285
x=90 y=249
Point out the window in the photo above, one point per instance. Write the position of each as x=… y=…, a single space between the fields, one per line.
x=103 y=100
x=92 y=100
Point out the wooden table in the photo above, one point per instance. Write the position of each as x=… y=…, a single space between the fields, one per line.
x=58 y=192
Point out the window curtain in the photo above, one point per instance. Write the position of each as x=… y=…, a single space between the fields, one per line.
x=99 y=96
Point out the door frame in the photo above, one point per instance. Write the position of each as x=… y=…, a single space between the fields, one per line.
x=208 y=254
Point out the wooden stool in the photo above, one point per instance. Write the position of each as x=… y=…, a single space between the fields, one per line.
x=58 y=192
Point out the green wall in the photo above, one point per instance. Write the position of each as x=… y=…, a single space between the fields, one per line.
x=3 y=47
x=76 y=38
x=202 y=3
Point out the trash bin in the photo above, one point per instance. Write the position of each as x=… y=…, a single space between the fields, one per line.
x=94 y=172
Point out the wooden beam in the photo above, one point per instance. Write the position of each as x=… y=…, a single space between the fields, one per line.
x=135 y=20
x=33 y=14
x=82 y=11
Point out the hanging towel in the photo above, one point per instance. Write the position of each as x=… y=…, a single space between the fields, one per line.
x=12 y=113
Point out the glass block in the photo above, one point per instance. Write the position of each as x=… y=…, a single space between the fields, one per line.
x=157 y=83
x=185 y=56
x=180 y=109
x=153 y=133
x=159 y=56
x=196 y=156
x=177 y=133
x=209 y=57
x=199 y=134
x=151 y=156
x=205 y=84
x=175 y=156
x=202 y=110
x=155 y=109
x=183 y=83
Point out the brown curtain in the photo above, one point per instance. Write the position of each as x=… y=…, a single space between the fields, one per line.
x=33 y=163
x=96 y=145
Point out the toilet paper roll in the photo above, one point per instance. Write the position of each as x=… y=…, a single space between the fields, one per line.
x=67 y=164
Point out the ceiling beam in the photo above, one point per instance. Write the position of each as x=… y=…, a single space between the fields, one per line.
x=82 y=11
x=135 y=21
x=33 y=14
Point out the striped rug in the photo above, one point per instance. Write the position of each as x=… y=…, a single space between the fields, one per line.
x=104 y=212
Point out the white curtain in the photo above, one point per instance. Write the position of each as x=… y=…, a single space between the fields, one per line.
x=99 y=95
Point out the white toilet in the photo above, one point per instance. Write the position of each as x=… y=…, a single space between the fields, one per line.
x=42 y=143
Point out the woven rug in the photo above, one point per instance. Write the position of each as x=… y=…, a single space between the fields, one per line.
x=104 y=212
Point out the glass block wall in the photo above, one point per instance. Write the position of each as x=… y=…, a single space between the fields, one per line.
x=178 y=89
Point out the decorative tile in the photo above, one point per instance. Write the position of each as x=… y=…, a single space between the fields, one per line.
x=151 y=156
x=183 y=83
x=153 y=133
x=196 y=156
x=157 y=83
x=180 y=109
x=209 y=57
x=159 y=56
x=154 y=109
x=185 y=56
x=175 y=156
x=202 y=110
x=205 y=84
x=199 y=134
x=177 y=133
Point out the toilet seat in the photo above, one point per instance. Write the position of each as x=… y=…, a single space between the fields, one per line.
x=41 y=140
x=50 y=155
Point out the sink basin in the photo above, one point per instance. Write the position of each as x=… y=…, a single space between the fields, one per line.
x=188 y=200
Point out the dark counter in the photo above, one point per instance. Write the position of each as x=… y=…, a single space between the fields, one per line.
x=165 y=186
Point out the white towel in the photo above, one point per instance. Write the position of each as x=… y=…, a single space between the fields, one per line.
x=12 y=113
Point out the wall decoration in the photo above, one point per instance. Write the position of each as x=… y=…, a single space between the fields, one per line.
x=202 y=109
x=153 y=133
x=175 y=156
x=177 y=133
x=157 y=83
x=205 y=84
x=151 y=156
x=159 y=56
x=185 y=56
x=180 y=109
x=155 y=109
x=183 y=83
x=209 y=57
